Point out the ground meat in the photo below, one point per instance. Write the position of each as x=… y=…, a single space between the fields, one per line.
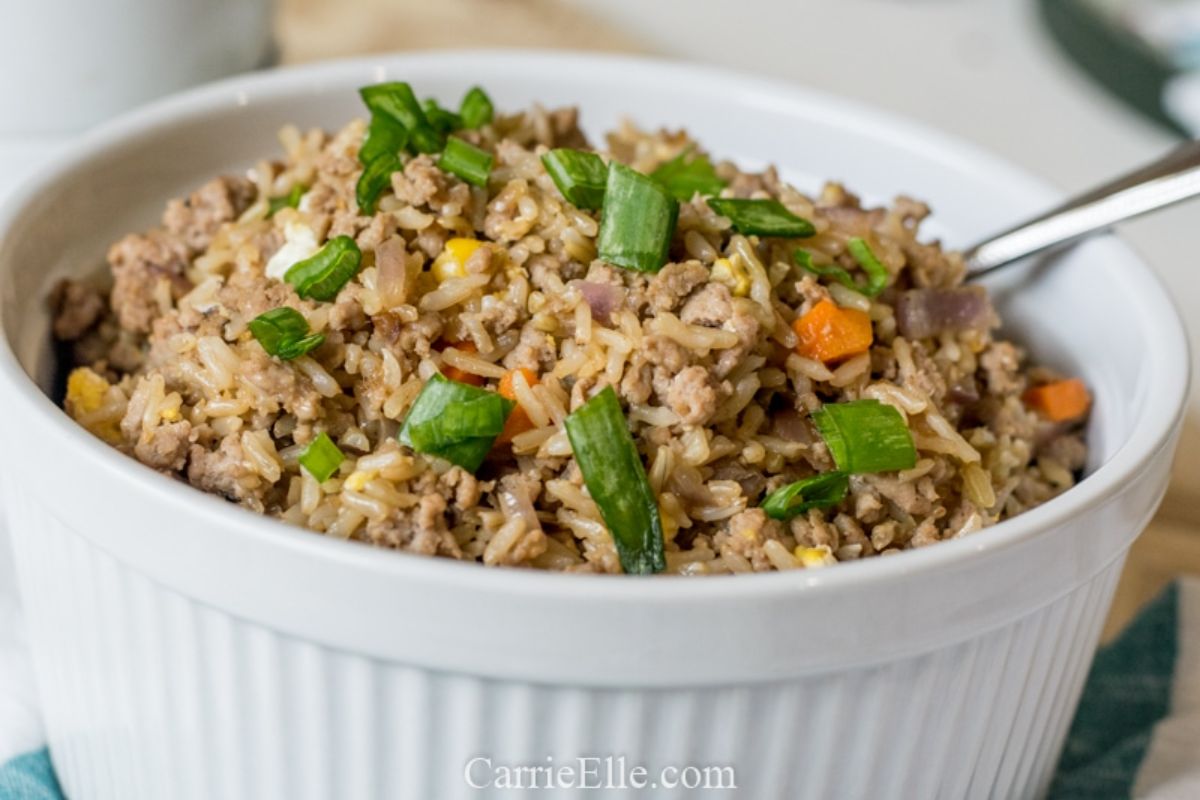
x=746 y=326
x=675 y=282
x=1067 y=449
x=710 y=306
x=507 y=217
x=463 y=487
x=418 y=337
x=165 y=447
x=747 y=532
x=535 y=350
x=663 y=352
x=420 y=183
x=195 y=220
x=693 y=396
x=346 y=314
x=76 y=308
x=145 y=268
x=637 y=383
x=564 y=128
x=1001 y=364
x=224 y=471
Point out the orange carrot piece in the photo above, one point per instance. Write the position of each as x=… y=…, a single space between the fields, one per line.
x=1059 y=401
x=828 y=333
x=462 y=376
x=518 y=421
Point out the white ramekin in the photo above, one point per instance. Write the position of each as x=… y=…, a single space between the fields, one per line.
x=187 y=649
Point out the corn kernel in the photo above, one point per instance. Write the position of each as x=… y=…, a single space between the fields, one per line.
x=820 y=556
x=171 y=415
x=85 y=390
x=731 y=272
x=452 y=261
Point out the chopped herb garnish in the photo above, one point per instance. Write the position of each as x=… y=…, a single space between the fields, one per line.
x=466 y=161
x=833 y=272
x=322 y=457
x=866 y=436
x=289 y=200
x=877 y=274
x=819 y=491
x=686 y=175
x=579 y=175
x=396 y=100
x=443 y=120
x=616 y=480
x=385 y=137
x=638 y=220
x=454 y=421
x=476 y=109
x=376 y=176
x=761 y=217
x=283 y=333
x=322 y=275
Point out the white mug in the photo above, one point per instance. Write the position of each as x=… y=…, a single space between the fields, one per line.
x=67 y=64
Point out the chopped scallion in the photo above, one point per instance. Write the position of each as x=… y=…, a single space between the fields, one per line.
x=579 y=175
x=322 y=457
x=819 y=491
x=283 y=332
x=476 y=109
x=289 y=200
x=376 y=176
x=686 y=175
x=454 y=421
x=877 y=273
x=466 y=161
x=385 y=137
x=833 y=272
x=761 y=217
x=616 y=480
x=322 y=275
x=638 y=220
x=866 y=436
x=443 y=120
x=396 y=100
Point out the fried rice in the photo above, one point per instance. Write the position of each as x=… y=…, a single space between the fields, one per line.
x=479 y=283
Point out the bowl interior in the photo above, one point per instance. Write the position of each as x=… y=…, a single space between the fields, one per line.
x=1062 y=314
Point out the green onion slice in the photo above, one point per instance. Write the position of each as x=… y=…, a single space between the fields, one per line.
x=686 y=175
x=616 y=480
x=322 y=275
x=638 y=220
x=866 y=436
x=385 y=137
x=466 y=161
x=579 y=175
x=376 y=176
x=443 y=120
x=761 y=217
x=476 y=109
x=322 y=457
x=833 y=272
x=283 y=332
x=396 y=100
x=289 y=200
x=819 y=491
x=455 y=421
x=877 y=274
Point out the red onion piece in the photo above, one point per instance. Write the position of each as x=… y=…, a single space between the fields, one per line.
x=602 y=298
x=921 y=313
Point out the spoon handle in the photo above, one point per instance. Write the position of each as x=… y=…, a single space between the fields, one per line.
x=1172 y=178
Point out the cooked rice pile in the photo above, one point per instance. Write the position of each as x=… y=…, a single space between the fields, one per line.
x=701 y=355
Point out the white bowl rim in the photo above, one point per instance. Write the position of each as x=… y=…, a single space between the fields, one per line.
x=1168 y=358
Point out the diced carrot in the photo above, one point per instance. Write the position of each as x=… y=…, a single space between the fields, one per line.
x=829 y=333
x=518 y=421
x=1059 y=401
x=462 y=376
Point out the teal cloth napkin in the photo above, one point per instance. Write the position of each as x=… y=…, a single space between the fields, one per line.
x=1127 y=692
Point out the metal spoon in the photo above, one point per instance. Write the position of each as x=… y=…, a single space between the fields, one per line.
x=1169 y=180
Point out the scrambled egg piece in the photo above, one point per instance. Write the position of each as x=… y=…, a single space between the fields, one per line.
x=815 y=556
x=86 y=390
x=733 y=273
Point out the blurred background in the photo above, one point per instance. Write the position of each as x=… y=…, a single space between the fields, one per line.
x=1074 y=90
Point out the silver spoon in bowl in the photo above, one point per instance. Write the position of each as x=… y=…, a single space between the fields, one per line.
x=1170 y=179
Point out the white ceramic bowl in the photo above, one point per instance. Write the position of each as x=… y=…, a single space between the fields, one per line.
x=188 y=649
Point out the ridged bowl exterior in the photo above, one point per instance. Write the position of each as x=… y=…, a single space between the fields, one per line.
x=149 y=695
x=186 y=649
